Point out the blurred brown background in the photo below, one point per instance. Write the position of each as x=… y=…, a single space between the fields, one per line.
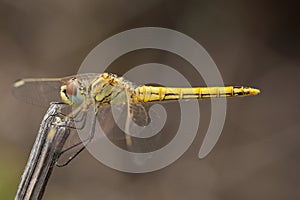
x=253 y=43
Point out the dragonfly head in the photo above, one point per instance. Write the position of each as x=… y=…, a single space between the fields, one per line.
x=72 y=92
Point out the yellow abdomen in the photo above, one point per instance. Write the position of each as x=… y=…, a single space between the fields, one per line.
x=157 y=93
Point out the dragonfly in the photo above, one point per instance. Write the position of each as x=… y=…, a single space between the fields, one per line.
x=98 y=91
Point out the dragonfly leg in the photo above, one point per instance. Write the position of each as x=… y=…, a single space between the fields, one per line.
x=81 y=119
x=81 y=142
x=78 y=115
x=70 y=158
x=62 y=115
x=85 y=142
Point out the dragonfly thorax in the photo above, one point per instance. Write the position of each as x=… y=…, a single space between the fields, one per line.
x=102 y=90
x=110 y=89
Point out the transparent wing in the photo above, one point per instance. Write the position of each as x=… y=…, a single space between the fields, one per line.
x=118 y=124
x=38 y=91
x=139 y=114
x=113 y=119
x=42 y=91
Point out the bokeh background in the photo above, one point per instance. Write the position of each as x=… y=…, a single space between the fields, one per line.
x=253 y=43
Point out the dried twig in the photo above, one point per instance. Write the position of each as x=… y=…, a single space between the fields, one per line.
x=44 y=154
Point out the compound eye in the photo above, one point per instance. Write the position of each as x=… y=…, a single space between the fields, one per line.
x=72 y=88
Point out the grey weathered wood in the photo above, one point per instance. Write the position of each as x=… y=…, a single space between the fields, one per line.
x=43 y=156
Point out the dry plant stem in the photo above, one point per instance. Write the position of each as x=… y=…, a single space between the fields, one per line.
x=43 y=156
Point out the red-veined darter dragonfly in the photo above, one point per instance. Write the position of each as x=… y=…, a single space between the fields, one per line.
x=102 y=90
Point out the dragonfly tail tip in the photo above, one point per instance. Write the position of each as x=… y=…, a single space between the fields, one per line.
x=254 y=91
